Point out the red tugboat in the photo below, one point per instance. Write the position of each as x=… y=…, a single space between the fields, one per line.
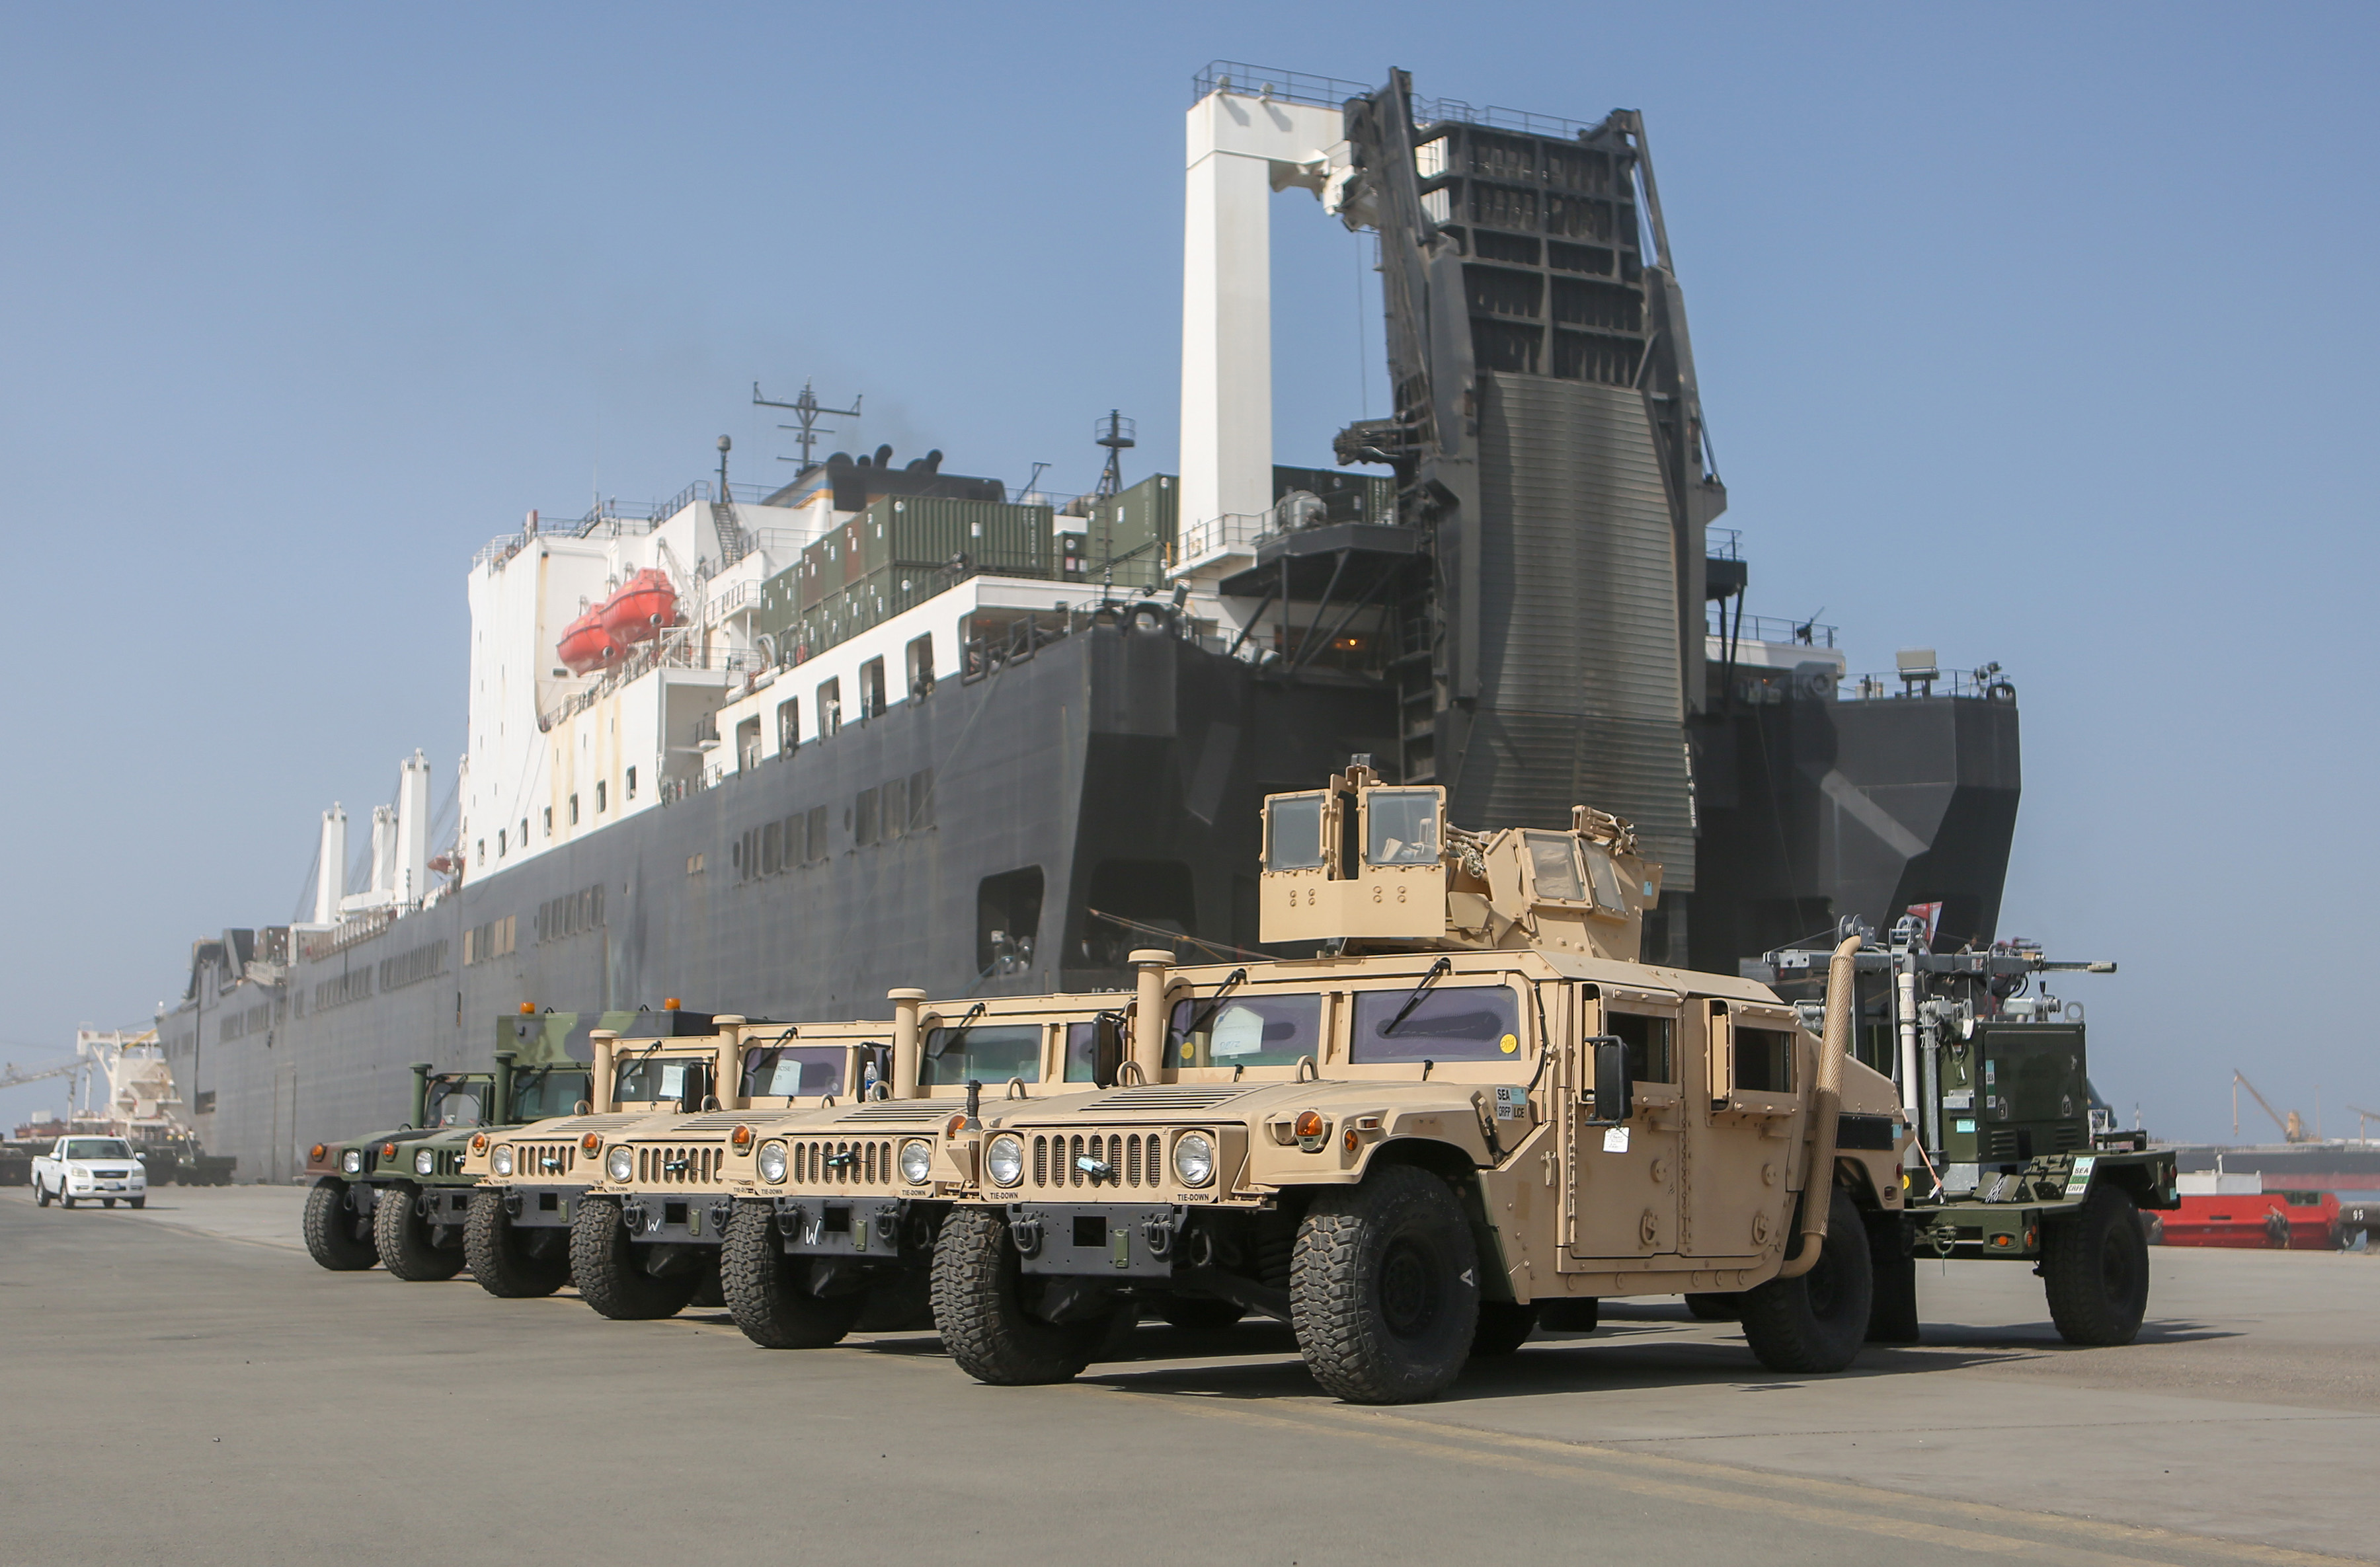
x=586 y=647
x=641 y=607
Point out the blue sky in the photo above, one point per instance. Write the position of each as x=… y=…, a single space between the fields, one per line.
x=2035 y=333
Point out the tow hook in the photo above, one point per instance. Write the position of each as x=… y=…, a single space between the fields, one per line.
x=888 y=1229
x=1026 y=1234
x=633 y=1216
x=512 y=1201
x=1157 y=1233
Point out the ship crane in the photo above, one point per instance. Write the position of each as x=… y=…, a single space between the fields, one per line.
x=2292 y=1127
x=13 y=1076
x=2364 y=1119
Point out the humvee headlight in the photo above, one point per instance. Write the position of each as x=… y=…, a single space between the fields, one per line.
x=1003 y=1160
x=425 y=1162
x=771 y=1162
x=917 y=1161
x=1194 y=1158
x=352 y=1161
x=620 y=1165
x=504 y=1160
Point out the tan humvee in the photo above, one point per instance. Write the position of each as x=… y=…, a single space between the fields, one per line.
x=822 y=1214
x=663 y=1065
x=1475 y=1108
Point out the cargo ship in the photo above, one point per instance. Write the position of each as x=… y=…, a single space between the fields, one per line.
x=775 y=752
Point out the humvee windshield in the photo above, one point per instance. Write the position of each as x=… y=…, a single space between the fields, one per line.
x=989 y=1054
x=1294 y=833
x=96 y=1147
x=1467 y=1023
x=794 y=1069
x=1403 y=827
x=542 y=1092
x=1245 y=1030
x=456 y=1103
x=661 y=1079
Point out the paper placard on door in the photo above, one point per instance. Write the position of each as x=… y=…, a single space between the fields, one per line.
x=1615 y=1140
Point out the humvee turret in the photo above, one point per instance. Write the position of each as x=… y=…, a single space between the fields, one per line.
x=400 y=1197
x=1473 y=1106
x=2011 y=1159
x=529 y=1178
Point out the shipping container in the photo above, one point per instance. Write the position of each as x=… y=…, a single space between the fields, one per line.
x=1346 y=497
x=931 y=530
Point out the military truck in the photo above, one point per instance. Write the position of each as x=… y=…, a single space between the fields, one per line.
x=1471 y=1107
x=520 y=1232
x=400 y=1198
x=2010 y=1159
x=825 y=1213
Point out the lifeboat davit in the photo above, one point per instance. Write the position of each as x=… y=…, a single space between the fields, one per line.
x=586 y=646
x=643 y=606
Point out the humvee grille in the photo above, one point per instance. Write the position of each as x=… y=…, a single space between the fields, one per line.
x=678 y=1166
x=1167 y=1096
x=835 y=1161
x=543 y=1160
x=1131 y=1160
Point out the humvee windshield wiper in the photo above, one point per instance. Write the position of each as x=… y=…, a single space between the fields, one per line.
x=1214 y=1001
x=1443 y=966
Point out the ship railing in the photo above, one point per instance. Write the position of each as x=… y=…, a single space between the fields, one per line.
x=1233 y=533
x=1329 y=92
x=1767 y=628
x=675 y=650
x=1989 y=683
x=353 y=931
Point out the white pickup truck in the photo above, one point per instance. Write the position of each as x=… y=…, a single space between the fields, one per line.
x=78 y=1169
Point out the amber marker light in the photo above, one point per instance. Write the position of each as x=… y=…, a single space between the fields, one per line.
x=669 y=1004
x=591 y=1141
x=741 y=1136
x=529 y=1008
x=388 y=1151
x=954 y=1125
x=315 y=1156
x=478 y=1142
x=1309 y=1124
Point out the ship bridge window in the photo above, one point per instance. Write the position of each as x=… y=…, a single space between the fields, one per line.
x=1007 y=921
x=1553 y=865
x=872 y=689
x=789 y=724
x=988 y=1054
x=1293 y=832
x=920 y=659
x=830 y=708
x=1402 y=826
x=1460 y=1023
x=1251 y=1030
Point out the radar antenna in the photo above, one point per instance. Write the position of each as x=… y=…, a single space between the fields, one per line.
x=1116 y=432
x=807 y=413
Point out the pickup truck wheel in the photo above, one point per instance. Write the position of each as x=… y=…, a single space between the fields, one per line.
x=979 y=1304
x=1384 y=1288
x=335 y=1236
x=1504 y=1327
x=403 y=1239
x=107 y=1202
x=65 y=1201
x=1199 y=1313
x=611 y=1277
x=499 y=1256
x=1817 y=1321
x=765 y=1290
x=136 y=1202
x=2094 y=1267
x=41 y=1195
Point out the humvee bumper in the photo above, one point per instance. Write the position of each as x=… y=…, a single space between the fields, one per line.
x=826 y=1226
x=657 y=1218
x=548 y=1207
x=448 y=1204
x=1108 y=1240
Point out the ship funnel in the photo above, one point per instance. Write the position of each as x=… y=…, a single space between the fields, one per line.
x=331 y=868
x=411 y=865
x=384 y=850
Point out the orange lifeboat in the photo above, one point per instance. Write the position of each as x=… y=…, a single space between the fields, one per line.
x=642 y=606
x=586 y=646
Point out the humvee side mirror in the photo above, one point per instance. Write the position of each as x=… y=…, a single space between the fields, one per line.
x=1107 y=1048
x=1615 y=1098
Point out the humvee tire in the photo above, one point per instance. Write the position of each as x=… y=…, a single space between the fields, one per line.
x=979 y=1307
x=2094 y=1267
x=764 y=1290
x=1199 y=1313
x=1504 y=1327
x=1817 y=1321
x=401 y=1237
x=1383 y=1288
x=330 y=1231
x=611 y=1277
x=1719 y=1308
x=500 y=1260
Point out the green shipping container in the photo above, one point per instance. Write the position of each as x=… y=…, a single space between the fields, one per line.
x=932 y=530
x=1139 y=523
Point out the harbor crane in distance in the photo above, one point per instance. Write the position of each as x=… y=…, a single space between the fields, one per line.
x=13 y=1076
x=2292 y=1127
x=2364 y=1119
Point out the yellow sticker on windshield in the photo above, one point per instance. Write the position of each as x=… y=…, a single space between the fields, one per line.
x=1189 y=1051
x=1508 y=1044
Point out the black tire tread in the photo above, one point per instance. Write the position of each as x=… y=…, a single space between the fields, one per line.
x=492 y=1249
x=402 y=1237
x=764 y=1290
x=1331 y=1302
x=1778 y=1322
x=987 y=1330
x=602 y=1260
x=2070 y=1278
x=329 y=1240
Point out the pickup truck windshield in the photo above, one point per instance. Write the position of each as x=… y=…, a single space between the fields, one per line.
x=96 y=1147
